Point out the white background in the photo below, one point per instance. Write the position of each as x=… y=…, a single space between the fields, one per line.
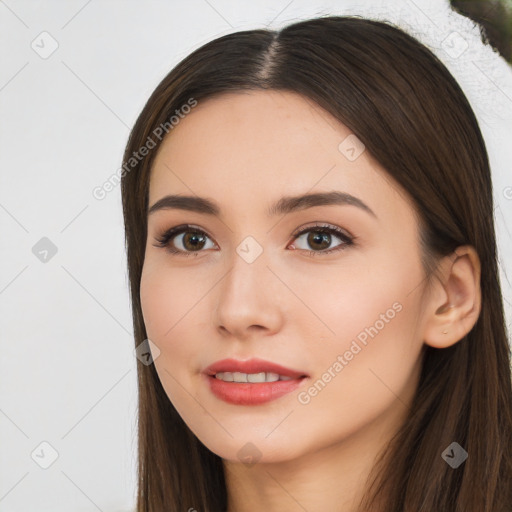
x=67 y=367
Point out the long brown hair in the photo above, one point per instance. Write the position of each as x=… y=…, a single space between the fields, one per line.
x=398 y=98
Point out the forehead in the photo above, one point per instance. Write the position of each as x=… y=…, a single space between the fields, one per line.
x=253 y=146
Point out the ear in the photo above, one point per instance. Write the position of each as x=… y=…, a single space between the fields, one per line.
x=455 y=302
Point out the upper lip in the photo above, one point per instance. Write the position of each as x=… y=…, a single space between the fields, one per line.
x=253 y=365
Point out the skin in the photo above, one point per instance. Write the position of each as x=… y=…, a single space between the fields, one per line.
x=245 y=151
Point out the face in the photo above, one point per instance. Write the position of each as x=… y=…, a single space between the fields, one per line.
x=328 y=289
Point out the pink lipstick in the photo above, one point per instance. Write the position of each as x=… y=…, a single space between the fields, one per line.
x=251 y=382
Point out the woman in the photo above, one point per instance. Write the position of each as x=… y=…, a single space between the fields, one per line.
x=312 y=260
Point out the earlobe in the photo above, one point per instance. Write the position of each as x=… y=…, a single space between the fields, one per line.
x=455 y=305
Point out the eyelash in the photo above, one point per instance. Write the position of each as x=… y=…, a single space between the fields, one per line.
x=164 y=238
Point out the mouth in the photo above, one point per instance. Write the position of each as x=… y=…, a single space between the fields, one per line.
x=251 y=370
x=251 y=377
x=251 y=382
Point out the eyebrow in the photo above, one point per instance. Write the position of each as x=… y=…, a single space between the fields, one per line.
x=283 y=206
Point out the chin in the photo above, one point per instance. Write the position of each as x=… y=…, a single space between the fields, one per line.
x=251 y=449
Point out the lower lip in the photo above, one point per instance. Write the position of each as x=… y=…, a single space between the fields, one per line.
x=244 y=393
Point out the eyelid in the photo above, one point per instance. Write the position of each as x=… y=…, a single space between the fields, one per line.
x=325 y=225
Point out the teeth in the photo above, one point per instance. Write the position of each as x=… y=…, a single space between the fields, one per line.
x=250 y=377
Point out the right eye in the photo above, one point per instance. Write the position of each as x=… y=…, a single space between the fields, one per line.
x=191 y=243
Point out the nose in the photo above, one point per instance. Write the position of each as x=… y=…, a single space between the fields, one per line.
x=249 y=300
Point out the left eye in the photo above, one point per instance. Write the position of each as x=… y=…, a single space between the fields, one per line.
x=195 y=239
x=321 y=237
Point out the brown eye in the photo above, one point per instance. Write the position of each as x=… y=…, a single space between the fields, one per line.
x=184 y=240
x=187 y=240
x=318 y=239
x=193 y=241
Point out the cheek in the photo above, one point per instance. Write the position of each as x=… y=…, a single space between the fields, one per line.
x=173 y=305
x=163 y=305
x=166 y=297
x=156 y=309
x=368 y=291
x=167 y=300
x=373 y=356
